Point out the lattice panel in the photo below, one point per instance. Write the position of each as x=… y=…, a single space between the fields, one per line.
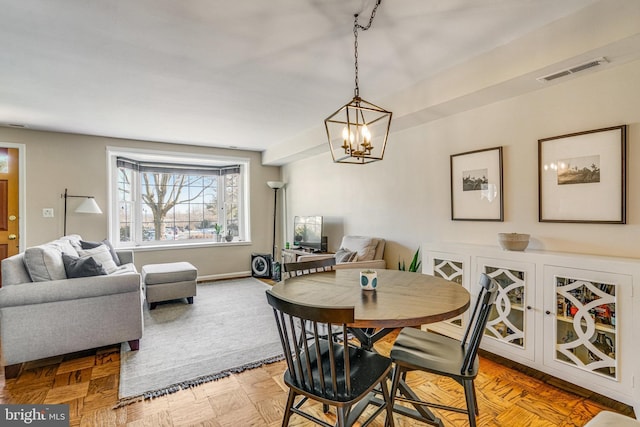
x=447 y=269
x=586 y=326
x=453 y=271
x=506 y=322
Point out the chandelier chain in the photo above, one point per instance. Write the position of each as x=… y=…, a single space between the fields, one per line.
x=356 y=91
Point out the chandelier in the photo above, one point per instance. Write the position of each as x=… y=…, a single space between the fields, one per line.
x=358 y=131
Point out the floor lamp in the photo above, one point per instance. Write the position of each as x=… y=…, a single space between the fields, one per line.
x=275 y=185
x=89 y=205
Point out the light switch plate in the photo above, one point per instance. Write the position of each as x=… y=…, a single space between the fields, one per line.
x=47 y=213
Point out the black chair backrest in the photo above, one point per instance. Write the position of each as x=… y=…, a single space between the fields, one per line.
x=308 y=267
x=316 y=364
x=478 y=320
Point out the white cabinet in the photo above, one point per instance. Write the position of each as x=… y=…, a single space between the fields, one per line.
x=573 y=316
x=511 y=326
x=454 y=267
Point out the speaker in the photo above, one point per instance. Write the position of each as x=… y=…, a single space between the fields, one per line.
x=261 y=265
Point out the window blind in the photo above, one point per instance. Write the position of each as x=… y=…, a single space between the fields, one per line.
x=175 y=168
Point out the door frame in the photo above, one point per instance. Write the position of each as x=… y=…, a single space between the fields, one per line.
x=22 y=201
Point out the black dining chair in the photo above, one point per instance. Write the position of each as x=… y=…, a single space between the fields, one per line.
x=294 y=269
x=418 y=350
x=324 y=369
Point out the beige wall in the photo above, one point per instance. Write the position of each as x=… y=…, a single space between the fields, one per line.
x=55 y=161
x=406 y=197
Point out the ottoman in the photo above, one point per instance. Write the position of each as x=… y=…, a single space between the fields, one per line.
x=169 y=281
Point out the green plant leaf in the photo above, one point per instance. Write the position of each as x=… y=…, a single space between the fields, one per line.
x=415 y=262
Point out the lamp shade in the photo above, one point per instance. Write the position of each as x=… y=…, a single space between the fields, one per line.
x=90 y=206
x=275 y=185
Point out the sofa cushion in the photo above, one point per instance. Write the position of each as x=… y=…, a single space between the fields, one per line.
x=44 y=262
x=364 y=246
x=102 y=256
x=124 y=269
x=81 y=267
x=73 y=239
x=345 y=255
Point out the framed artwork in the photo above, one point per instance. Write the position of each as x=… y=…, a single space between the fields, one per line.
x=582 y=177
x=476 y=185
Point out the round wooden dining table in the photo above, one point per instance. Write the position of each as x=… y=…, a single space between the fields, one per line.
x=400 y=299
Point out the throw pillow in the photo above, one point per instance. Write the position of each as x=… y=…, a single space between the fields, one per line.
x=364 y=246
x=81 y=267
x=92 y=245
x=102 y=256
x=113 y=252
x=345 y=255
x=89 y=245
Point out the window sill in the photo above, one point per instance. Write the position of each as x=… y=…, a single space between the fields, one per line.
x=164 y=247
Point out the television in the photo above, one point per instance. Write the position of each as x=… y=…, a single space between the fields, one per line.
x=307 y=232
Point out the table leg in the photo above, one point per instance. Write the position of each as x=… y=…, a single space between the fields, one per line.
x=420 y=413
x=368 y=337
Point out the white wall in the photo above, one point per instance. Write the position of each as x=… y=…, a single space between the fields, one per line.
x=406 y=197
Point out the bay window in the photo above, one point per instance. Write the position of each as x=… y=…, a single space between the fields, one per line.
x=168 y=199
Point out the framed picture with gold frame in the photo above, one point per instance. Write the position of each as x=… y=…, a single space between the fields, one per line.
x=476 y=185
x=582 y=177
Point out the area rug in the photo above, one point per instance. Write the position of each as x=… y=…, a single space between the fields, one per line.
x=229 y=328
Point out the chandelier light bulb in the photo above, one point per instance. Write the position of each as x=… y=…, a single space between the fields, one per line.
x=366 y=135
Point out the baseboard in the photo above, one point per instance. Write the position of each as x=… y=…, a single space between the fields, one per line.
x=213 y=277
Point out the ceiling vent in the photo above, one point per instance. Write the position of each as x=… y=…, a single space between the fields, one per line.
x=573 y=70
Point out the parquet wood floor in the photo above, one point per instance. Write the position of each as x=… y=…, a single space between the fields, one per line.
x=88 y=383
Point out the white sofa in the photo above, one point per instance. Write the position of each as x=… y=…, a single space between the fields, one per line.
x=355 y=252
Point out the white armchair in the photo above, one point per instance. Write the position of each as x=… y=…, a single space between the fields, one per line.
x=355 y=252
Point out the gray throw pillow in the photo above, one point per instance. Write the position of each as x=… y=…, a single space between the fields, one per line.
x=89 y=245
x=113 y=252
x=102 y=256
x=81 y=267
x=345 y=255
x=92 y=245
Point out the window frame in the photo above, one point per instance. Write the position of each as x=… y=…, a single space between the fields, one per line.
x=137 y=242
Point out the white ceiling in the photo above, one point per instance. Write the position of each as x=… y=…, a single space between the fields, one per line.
x=246 y=74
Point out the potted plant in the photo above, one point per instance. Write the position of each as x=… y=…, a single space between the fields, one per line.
x=228 y=237
x=415 y=263
x=217 y=228
x=368 y=280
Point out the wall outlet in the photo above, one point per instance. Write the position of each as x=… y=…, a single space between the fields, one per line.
x=47 y=213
